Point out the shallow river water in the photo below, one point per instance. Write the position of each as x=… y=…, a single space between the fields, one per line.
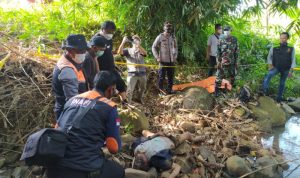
x=287 y=140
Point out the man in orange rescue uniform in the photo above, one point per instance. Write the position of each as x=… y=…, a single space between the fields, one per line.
x=99 y=126
x=68 y=75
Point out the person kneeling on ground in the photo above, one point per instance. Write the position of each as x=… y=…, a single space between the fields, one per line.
x=154 y=150
x=136 y=74
x=84 y=157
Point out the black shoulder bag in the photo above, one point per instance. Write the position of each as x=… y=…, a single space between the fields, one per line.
x=47 y=146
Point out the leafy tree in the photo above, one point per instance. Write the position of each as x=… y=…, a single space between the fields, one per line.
x=191 y=20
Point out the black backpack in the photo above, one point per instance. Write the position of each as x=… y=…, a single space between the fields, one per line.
x=47 y=146
x=245 y=94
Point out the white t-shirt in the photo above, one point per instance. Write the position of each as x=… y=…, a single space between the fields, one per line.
x=154 y=146
x=213 y=42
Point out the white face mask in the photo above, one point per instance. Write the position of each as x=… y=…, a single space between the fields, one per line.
x=108 y=36
x=79 y=58
x=99 y=53
x=136 y=42
x=226 y=33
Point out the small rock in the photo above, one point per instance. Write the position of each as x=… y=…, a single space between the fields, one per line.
x=270 y=172
x=248 y=130
x=127 y=138
x=237 y=166
x=287 y=108
x=295 y=105
x=188 y=126
x=11 y=158
x=202 y=124
x=280 y=159
x=5 y=173
x=239 y=112
x=210 y=141
x=207 y=154
x=153 y=173
x=263 y=152
x=165 y=174
x=195 y=176
x=185 y=164
x=134 y=173
x=183 y=148
x=244 y=147
x=227 y=151
x=2 y=162
x=37 y=170
x=20 y=172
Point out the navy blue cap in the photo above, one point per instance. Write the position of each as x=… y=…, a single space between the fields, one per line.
x=75 y=41
x=98 y=41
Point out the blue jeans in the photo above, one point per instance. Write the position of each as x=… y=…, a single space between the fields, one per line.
x=270 y=75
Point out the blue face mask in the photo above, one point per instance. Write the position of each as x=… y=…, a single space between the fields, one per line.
x=99 y=53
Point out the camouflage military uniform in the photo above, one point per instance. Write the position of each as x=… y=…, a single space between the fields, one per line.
x=227 y=59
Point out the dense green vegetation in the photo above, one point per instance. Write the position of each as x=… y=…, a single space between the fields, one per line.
x=193 y=20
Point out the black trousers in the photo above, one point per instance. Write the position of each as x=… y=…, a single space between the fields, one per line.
x=120 y=84
x=162 y=72
x=110 y=169
x=212 y=64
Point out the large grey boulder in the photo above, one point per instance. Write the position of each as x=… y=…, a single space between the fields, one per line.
x=198 y=98
x=269 y=113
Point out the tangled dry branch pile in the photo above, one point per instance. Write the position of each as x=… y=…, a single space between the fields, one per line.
x=25 y=94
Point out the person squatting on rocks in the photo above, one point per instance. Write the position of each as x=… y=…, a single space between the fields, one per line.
x=165 y=52
x=84 y=157
x=227 y=58
x=155 y=150
x=212 y=49
x=69 y=78
x=106 y=60
x=281 y=59
x=136 y=74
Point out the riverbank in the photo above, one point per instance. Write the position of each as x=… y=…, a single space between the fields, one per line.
x=226 y=133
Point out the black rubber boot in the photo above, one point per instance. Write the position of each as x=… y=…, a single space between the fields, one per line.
x=217 y=92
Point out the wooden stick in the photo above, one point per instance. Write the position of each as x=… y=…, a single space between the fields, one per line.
x=31 y=79
x=292 y=171
x=5 y=119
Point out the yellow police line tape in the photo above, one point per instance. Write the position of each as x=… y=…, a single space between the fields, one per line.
x=158 y=66
x=150 y=65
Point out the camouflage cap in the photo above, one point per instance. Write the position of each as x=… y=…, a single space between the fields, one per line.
x=227 y=28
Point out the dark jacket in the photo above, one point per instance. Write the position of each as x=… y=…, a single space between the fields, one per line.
x=90 y=68
x=85 y=141
x=106 y=61
x=282 y=57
